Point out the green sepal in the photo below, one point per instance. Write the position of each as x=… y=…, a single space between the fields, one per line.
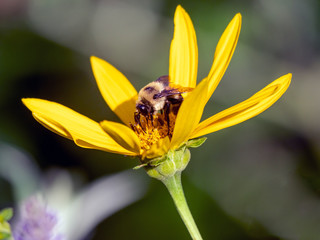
x=196 y=142
x=174 y=161
x=6 y=214
x=5 y=230
x=140 y=166
x=151 y=163
x=4 y=235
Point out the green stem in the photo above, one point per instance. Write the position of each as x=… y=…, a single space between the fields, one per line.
x=174 y=186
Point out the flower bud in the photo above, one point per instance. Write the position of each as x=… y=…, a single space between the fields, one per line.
x=167 y=166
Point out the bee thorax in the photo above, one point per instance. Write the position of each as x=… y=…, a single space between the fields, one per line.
x=159 y=105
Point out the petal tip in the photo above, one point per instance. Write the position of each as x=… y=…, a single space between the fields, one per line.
x=25 y=101
x=238 y=16
x=28 y=101
x=238 y=19
x=94 y=59
x=179 y=7
x=180 y=10
x=289 y=75
x=287 y=78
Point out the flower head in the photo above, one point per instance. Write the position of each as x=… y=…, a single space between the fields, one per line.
x=36 y=222
x=154 y=138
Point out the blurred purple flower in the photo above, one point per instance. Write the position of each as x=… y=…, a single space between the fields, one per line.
x=36 y=221
x=66 y=194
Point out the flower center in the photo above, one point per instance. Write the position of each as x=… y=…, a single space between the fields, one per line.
x=154 y=127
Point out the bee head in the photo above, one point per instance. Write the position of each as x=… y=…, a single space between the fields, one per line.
x=144 y=109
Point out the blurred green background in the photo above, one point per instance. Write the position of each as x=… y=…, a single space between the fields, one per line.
x=256 y=180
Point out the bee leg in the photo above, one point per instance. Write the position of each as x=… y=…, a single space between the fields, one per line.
x=176 y=103
x=137 y=119
x=166 y=113
x=151 y=117
x=160 y=120
x=160 y=117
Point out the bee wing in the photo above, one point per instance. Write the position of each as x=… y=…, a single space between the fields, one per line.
x=171 y=92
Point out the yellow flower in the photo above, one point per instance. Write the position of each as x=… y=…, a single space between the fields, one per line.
x=121 y=97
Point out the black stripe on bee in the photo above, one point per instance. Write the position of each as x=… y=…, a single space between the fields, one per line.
x=149 y=89
x=164 y=80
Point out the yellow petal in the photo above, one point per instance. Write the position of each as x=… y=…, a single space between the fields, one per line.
x=70 y=124
x=183 y=62
x=189 y=114
x=192 y=107
x=224 y=52
x=245 y=110
x=115 y=88
x=123 y=135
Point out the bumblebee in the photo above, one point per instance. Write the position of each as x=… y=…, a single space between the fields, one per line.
x=159 y=97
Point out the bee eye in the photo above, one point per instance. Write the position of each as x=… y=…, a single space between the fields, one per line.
x=143 y=109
